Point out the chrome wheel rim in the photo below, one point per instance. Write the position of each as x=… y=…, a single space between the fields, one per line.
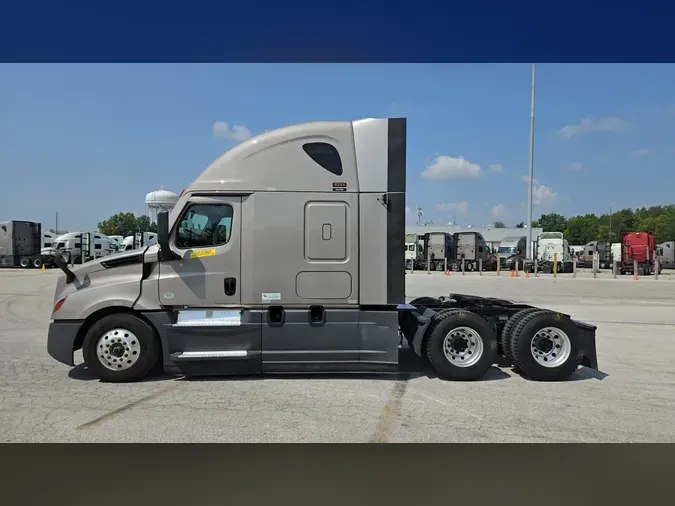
x=118 y=349
x=463 y=347
x=551 y=347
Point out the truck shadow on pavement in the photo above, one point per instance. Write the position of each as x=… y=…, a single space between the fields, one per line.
x=81 y=373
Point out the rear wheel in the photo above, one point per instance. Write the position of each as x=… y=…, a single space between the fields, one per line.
x=461 y=345
x=506 y=336
x=37 y=262
x=24 y=262
x=545 y=346
x=121 y=348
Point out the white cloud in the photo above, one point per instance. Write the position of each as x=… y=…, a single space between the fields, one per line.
x=448 y=167
x=640 y=152
x=230 y=132
x=541 y=194
x=455 y=207
x=496 y=167
x=499 y=211
x=576 y=166
x=590 y=124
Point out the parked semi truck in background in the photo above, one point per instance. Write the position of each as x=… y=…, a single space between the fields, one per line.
x=470 y=247
x=235 y=286
x=637 y=247
x=550 y=247
x=80 y=247
x=414 y=252
x=437 y=250
x=21 y=245
x=604 y=251
x=138 y=240
x=666 y=254
x=512 y=250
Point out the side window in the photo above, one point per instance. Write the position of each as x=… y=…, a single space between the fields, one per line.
x=205 y=225
x=97 y=246
x=325 y=155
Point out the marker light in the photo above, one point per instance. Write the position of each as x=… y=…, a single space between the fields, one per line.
x=58 y=305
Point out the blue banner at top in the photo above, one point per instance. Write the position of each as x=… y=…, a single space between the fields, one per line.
x=345 y=31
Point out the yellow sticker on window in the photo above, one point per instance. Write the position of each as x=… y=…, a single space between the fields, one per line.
x=203 y=253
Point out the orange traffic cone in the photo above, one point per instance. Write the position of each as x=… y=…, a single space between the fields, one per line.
x=527 y=274
x=43 y=267
x=447 y=272
x=513 y=274
x=635 y=276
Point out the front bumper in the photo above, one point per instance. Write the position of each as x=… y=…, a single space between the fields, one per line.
x=61 y=340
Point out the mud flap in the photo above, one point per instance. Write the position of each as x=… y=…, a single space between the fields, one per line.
x=587 y=344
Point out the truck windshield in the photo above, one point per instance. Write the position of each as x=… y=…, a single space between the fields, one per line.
x=507 y=250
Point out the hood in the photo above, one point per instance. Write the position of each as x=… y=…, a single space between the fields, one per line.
x=99 y=264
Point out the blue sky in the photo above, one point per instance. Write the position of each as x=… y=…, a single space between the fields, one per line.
x=91 y=140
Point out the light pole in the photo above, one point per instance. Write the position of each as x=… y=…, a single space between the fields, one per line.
x=530 y=182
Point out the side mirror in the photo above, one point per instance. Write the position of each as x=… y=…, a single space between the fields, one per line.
x=163 y=234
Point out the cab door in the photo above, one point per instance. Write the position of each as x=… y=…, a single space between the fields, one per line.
x=207 y=242
x=209 y=333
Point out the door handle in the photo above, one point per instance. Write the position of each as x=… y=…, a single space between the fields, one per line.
x=230 y=286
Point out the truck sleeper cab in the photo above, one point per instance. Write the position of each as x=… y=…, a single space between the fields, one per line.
x=287 y=255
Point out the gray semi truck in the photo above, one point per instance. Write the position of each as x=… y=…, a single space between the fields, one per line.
x=21 y=245
x=286 y=255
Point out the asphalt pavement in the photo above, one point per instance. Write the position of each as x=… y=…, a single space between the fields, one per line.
x=632 y=399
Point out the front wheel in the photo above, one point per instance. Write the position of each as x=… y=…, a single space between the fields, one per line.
x=121 y=348
x=461 y=345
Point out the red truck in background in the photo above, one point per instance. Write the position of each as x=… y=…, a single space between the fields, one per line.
x=638 y=247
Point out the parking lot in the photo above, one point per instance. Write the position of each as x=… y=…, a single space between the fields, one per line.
x=631 y=400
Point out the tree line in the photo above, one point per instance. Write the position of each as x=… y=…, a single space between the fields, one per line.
x=660 y=220
x=126 y=224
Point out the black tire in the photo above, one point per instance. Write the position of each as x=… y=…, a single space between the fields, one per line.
x=37 y=262
x=149 y=355
x=443 y=323
x=521 y=346
x=24 y=262
x=425 y=301
x=506 y=336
